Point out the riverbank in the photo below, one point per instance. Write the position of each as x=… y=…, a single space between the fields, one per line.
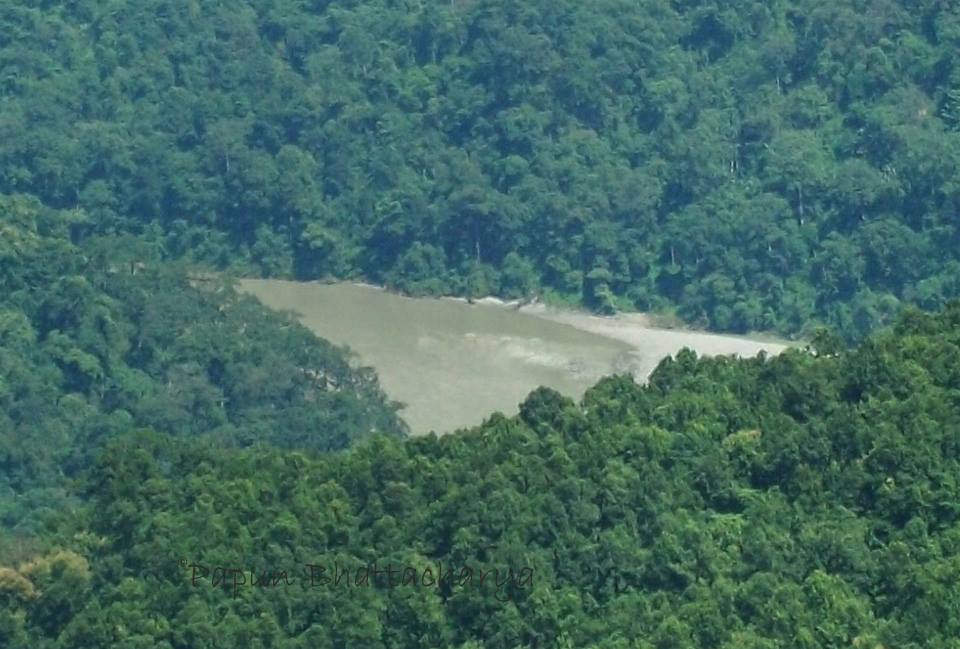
x=638 y=329
x=627 y=326
x=653 y=344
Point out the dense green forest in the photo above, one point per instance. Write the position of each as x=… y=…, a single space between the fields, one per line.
x=174 y=458
x=806 y=501
x=748 y=165
x=101 y=339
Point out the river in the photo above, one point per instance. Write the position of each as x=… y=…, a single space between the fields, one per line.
x=453 y=364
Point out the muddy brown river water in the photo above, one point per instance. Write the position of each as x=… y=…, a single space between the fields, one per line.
x=453 y=364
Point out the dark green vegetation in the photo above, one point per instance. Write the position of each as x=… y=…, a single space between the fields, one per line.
x=100 y=340
x=752 y=165
x=806 y=501
x=748 y=165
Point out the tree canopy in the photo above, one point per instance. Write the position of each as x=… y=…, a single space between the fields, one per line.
x=806 y=500
x=103 y=338
x=751 y=165
x=180 y=468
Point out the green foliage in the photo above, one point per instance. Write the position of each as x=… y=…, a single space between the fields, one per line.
x=783 y=165
x=746 y=166
x=807 y=500
x=97 y=339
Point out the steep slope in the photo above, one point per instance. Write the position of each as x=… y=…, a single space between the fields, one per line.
x=102 y=339
x=751 y=165
x=809 y=500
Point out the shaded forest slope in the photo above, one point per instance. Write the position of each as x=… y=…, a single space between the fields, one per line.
x=750 y=165
x=808 y=500
x=101 y=339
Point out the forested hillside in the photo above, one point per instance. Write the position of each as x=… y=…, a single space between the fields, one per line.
x=99 y=340
x=804 y=501
x=750 y=165
x=174 y=458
